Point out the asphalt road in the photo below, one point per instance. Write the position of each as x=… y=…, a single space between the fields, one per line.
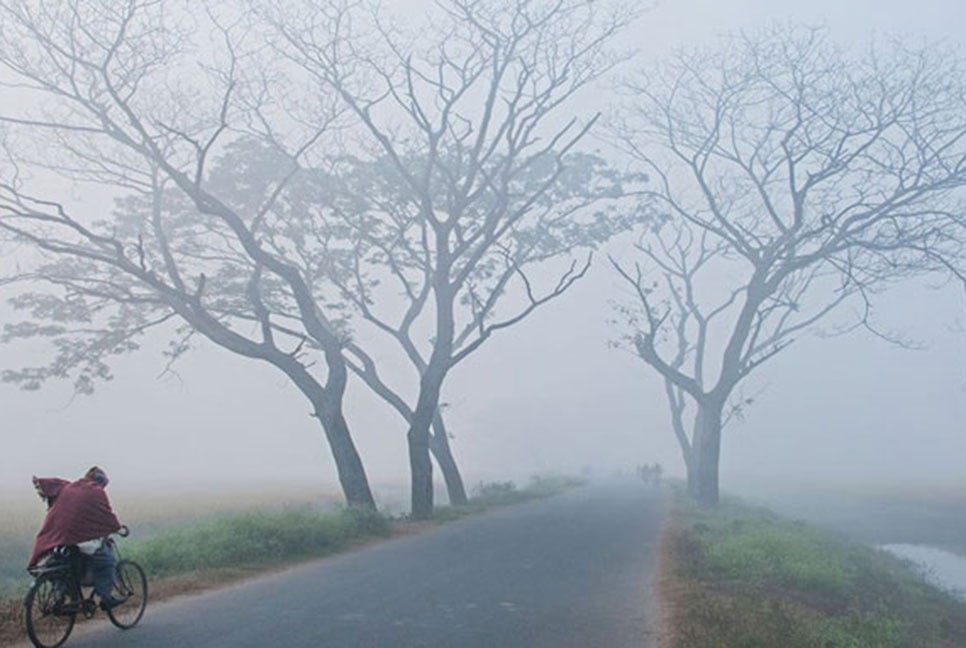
x=570 y=571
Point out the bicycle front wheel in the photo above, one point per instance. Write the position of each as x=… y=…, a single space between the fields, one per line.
x=48 y=611
x=130 y=583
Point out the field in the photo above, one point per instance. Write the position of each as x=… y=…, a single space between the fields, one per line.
x=744 y=576
x=934 y=517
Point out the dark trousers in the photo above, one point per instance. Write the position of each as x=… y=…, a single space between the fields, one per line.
x=104 y=565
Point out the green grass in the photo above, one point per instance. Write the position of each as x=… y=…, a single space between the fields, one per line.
x=253 y=538
x=247 y=539
x=745 y=577
x=226 y=545
x=149 y=516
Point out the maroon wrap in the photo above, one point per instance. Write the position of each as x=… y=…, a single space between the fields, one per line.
x=78 y=512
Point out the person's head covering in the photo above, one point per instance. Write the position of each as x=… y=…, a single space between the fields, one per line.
x=98 y=476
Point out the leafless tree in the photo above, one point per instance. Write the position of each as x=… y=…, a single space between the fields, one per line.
x=133 y=97
x=229 y=213
x=797 y=178
x=392 y=252
x=472 y=144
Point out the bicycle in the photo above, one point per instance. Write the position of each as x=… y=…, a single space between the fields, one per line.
x=58 y=595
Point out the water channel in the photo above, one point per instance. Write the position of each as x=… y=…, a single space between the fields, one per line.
x=942 y=568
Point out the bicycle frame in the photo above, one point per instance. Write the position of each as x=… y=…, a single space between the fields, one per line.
x=74 y=569
x=63 y=588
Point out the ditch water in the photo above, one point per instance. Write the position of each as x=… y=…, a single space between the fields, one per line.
x=940 y=567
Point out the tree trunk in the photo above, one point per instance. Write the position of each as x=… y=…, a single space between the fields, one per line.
x=327 y=404
x=692 y=478
x=352 y=474
x=691 y=461
x=431 y=384
x=421 y=470
x=706 y=454
x=439 y=445
x=420 y=463
x=675 y=397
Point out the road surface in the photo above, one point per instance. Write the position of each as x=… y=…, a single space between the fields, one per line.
x=569 y=571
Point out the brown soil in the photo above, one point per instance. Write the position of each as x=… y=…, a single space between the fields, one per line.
x=671 y=590
x=11 y=621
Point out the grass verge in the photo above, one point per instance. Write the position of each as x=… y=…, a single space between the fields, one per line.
x=744 y=577
x=255 y=538
x=228 y=547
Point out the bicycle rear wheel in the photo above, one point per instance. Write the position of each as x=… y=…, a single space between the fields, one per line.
x=131 y=583
x=48 y=611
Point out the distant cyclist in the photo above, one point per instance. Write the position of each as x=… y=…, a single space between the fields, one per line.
x=79 y=513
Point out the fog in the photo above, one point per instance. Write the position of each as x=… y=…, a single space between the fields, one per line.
x=549 y=394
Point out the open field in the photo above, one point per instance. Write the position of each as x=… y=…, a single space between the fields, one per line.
x=744 y=576
x=934 y=517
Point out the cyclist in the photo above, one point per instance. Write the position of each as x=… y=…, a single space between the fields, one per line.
x=79 y=513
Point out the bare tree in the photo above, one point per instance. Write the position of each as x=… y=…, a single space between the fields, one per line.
x=124 y=95
x=797 y=178
x=471 y=143
x=392 y=251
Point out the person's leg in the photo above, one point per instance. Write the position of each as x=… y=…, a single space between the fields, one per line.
x=104 y=565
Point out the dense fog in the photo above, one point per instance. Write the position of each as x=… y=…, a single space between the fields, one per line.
x=550 y=394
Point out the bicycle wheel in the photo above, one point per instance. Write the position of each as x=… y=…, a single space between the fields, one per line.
x=130 y=582
x=48 y=611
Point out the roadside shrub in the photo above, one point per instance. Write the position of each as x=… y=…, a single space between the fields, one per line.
x=499 y=493
x=494 y=489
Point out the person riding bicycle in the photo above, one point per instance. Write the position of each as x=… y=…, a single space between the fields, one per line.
x=79 y=513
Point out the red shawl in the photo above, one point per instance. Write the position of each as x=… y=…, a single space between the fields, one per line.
x=77 y=512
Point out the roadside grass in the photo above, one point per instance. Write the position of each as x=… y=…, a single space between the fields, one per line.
x=223 y=548
x=258 y=537
x=206 y=550
x=150 y=516
x=740 y=576
x=18 y=524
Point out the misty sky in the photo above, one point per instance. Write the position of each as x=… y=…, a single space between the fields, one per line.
x=547 y=395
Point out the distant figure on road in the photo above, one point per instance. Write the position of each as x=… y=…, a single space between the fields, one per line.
x=79 y=513
x=650 y=474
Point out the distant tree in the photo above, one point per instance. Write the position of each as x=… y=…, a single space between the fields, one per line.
x=119 y=96
x=797 y=178
x=475 y=175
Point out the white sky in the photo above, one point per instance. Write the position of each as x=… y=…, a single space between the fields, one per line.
x=547 y=395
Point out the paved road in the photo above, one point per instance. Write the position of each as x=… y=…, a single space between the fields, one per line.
x=570 y=571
